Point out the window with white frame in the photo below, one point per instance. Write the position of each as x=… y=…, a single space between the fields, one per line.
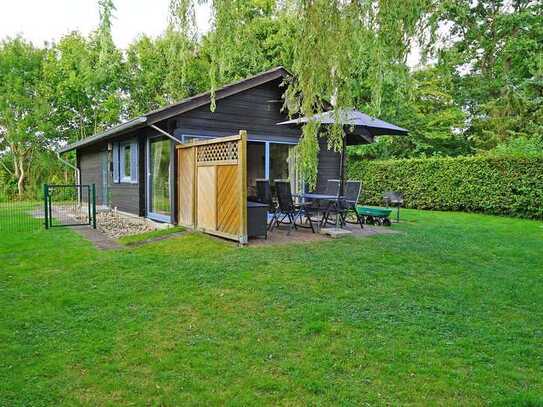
x=125 y=162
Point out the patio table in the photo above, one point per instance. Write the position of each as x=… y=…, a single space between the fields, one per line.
x=320 y=197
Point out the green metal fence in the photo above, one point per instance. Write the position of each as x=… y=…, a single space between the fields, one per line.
x=18 y=215
x=69 y=205
x=58 y=205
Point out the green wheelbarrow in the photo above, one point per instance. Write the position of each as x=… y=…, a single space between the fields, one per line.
x=374 y=215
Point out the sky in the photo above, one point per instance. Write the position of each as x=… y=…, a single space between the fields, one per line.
x=48 y=20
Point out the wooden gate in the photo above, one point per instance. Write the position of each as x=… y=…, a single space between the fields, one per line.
x=212 y=186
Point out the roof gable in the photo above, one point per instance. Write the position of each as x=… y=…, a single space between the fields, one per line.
x=203 y=99
x=181 y=107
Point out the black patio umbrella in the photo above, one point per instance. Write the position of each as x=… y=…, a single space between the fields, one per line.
x=360 y=129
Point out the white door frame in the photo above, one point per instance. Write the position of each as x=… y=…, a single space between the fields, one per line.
x=151 y=215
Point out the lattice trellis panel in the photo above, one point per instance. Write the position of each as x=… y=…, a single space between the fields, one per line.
x=214 y=153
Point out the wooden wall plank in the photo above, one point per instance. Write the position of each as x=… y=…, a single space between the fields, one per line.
x=207 y=198
x=228 y=191
x=90 y=166
x=329 y=163
x=186 y=186
x=242 y=168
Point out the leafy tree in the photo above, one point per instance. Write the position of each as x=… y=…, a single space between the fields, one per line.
x=482 y=90
x=23 y=111
x=435 y=122
x=85 y=80
x=496 y=53
x=155 y=80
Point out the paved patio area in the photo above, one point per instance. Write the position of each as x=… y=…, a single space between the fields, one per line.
x=279 y=235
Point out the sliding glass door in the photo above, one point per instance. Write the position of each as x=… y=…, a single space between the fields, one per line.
x=159 y=179
x=271 y=161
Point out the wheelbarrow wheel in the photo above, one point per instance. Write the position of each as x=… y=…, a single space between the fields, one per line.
x=386 y=222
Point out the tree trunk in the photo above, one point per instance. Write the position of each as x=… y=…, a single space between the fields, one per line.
x=21 y=179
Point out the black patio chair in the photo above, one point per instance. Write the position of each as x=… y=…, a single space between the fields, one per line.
x=264 y=195
x=346 y=205
x=353 y=189
x=332 y=187
x=393 y=198
x=288 y=211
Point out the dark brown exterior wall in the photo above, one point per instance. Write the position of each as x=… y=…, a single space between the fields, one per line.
x=328 y=165
x=126 y=196
x=123 y=196
x=91 y=171
x=256 y=110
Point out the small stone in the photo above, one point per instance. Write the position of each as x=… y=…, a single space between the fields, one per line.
x=116 y=225
x=335 y=233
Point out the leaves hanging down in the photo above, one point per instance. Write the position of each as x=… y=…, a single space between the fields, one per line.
x=353 y=54
x=155 y=80
x=331 y=47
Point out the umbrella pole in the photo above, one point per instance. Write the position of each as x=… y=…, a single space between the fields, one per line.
x=341 y=178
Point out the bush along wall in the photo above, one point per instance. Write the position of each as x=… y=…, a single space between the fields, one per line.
x=511 y=186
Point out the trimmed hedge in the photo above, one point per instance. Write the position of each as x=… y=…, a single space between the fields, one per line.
x=511 y=186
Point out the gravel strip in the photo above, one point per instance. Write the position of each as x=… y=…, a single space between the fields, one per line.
x=115 y=225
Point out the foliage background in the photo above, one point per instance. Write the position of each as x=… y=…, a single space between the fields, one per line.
x=478 y=86
x=492 y=184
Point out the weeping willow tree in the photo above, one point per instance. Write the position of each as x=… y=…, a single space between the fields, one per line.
x=336 y=45
x=182 y=34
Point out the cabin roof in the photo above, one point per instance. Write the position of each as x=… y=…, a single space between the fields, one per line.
x=180 y=107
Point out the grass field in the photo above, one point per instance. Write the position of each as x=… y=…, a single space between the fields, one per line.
x=448 y=312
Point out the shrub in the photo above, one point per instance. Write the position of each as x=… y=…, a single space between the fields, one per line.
x=487 y=184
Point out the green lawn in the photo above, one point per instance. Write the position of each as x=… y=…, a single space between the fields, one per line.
x=448 y=312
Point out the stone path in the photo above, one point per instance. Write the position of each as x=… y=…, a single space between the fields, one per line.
x=97 y=238
x=103 y=242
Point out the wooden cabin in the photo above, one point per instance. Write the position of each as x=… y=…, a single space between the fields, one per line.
x=135 y=166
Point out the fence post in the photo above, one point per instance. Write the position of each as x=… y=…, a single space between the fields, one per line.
x=45 y=208
x=94 y=206
x=89 y=201
x=49 y=203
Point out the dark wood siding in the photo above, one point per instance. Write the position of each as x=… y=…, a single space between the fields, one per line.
x=91 y=171
x=126 y=196
x=257 y=110
x=328 y=165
